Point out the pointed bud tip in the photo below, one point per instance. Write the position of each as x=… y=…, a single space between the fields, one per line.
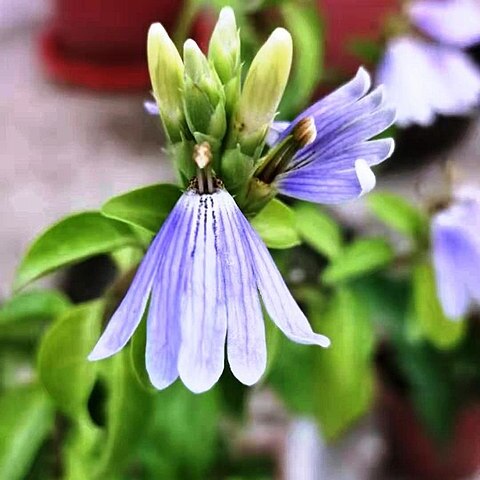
x=157 y=30
x=191 y=45
x=280 y=35
x=227 y=16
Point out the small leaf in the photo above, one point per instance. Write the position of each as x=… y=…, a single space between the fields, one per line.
x=38 y=305
x=276 y=225
x=344 y=376
x=318 y=230
x=366 y=49
x=137 y=355
x=147 y=207
x=442 y=332
x=308 y=34
x=72 y=239
x=360 y=258
x=62 y=360
x=128 y=410
x=26 y=418
x=399 y=214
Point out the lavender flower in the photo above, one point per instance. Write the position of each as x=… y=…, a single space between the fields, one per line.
x=334 y=165
x=203 y=271
x=429 y=74
x=456 y=253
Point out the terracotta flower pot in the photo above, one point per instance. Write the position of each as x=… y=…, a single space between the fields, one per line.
x=101 y=43
x=416 y=454
x=347 y=21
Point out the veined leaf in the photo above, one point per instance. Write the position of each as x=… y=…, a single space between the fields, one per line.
x=146 y=207
x=62 y=360
x=72 y=239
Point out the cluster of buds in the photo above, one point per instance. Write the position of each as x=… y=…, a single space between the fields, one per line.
x=201 y=99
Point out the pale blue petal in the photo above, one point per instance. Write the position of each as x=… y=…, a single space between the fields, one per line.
x=324 y=110
x=203 y=317
x=454 y=22
x=246 y=345
x=276 y=297
x=151 y=107
x=128 y=315
x=275 y=132
x=163 y=324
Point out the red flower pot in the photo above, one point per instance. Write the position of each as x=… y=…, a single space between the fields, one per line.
x=347 y=21
x=102 y=43
x=415 y=454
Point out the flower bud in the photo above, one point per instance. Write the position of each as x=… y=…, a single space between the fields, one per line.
x=224 y=47
x=262 y=92
x=204 y=98
x=166 y=74
x=224 y=55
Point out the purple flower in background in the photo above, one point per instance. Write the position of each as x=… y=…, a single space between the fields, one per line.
x=335 y=166
x=204 y=271
x=430 y=74
x=456 y=253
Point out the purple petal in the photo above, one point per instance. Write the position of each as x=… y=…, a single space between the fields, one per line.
x=423 y=79
x=276 y=297
x=325 y=109
x=275 y=132
x=203 y=314
x=128 y=315
x=246 y=345
x=163 y=326
x=151 y=107
x=456 y=257
x=453 y=22
x=314 y=185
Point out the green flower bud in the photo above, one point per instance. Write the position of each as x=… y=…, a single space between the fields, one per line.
x=224 y=47
x=166 y=73
x=204 y=98
x=224 y=55
x=262 y=92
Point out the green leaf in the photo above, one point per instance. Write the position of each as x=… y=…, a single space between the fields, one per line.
x=187 y=426
x=128 y=414
x=137 y=349
x=37 y=305
x=366 y=49
x=359 y=258
x=26 y=418
x=276 y=225
x=147 y=207
x=399 y=214
x=442 y=332
x=344 y=375
x=318 y=230
x=72 y=239
x=62 y=360
x=307 y=32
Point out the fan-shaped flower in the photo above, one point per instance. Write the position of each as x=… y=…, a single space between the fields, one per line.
x=428 y=74
x=456 y=253
x=335 y=165
x=206 y=268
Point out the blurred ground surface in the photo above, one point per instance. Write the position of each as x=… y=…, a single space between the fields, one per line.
x=64 y=150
